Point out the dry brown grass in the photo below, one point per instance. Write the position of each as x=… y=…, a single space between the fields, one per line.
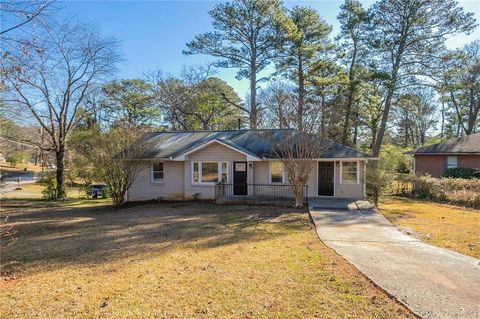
x=445 y=226
x=183 y=260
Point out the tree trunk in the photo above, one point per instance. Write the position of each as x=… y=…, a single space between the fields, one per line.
x=442 y=130
x=298 y=193
x=60 y=162
x=253 y=96
x=351 y=91
x=355 y=130
x=301 y=95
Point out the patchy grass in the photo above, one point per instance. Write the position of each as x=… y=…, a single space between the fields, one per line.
x=184 y=260
x=441 y=225
x=34 y=191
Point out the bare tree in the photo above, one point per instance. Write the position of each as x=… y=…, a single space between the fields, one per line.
x=279 y=100
x=18 y=14
x=53 y=81
x=460 y=82
x=298 y=150
x=117 y=155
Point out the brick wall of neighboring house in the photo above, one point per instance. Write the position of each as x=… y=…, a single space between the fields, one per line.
x=430 y=164
x=472 y=161
x=435 y=164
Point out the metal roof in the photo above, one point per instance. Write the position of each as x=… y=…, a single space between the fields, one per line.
x=257 y=143
x=469 y=144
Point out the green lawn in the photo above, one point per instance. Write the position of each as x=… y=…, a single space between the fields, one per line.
x=181 y=260
x=445 y=226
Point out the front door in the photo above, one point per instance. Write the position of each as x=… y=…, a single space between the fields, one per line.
x=325 y=178
x=239 y=178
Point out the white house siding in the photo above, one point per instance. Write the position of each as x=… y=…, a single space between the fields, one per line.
x=178 y=180
x=214 y=152
x=171 y=188
x=261 y=175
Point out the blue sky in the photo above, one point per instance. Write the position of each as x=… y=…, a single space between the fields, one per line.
x=153 y=33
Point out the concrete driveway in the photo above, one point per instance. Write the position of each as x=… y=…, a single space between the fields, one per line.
x=433 y=282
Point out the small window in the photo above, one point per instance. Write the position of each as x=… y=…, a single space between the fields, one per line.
x=196 y=175
x=349 y=172
x=452 y=162
x=224 y=172
x=276 y=172
x=158 y=172
x=209 y=172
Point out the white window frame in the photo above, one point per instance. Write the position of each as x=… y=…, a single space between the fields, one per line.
x=358 y=173
x=270 y=172
x=200 y=177
x=452 y=165
x=152 y=179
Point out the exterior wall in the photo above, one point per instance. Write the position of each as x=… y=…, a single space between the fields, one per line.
x=214 y=152
x=349 y=189
x=171 y=188
x=435 y=165
x=430 y=164
x=177 y=184
x=261 y=176
x=471 y=161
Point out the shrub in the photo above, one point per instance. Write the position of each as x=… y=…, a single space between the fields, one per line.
x=14 y=159
x=462 y=172
x=50 y=186
x=458 y=191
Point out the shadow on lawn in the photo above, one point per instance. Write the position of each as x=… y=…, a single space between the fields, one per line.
x=88 y=235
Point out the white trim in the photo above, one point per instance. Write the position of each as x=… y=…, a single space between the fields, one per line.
x=200 y=177
x=341 y=172
x=334 y=180
x=270 y=172
x=182 y=157
x=158 y=181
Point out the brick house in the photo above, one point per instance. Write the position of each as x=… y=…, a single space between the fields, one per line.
x=435 y=159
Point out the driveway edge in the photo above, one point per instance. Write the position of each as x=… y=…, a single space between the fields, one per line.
x=364 y=276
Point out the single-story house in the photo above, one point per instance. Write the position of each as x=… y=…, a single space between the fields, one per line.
x=192 y=164
x=435 y=159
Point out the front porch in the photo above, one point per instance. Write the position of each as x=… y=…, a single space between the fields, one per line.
x=257 y=193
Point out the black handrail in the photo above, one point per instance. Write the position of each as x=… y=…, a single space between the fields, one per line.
x=275 y=193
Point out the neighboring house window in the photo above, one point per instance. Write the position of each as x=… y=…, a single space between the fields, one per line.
x=349 y=172
x=276 y=172
x=158 y=173
x=209 y=172
x=452 y=162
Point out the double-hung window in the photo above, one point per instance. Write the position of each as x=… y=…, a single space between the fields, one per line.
x=209 y=172
x=277 y=172
x=349 y=172
x=158 y=173
x=452 y=161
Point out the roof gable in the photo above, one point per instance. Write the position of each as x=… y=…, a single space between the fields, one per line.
x=250 y=156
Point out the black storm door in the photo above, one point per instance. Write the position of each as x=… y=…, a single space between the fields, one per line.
x=325 y=178
x=239 y=178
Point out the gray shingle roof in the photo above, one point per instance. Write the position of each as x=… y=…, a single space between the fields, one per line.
x=253 y=142
x=469 y=144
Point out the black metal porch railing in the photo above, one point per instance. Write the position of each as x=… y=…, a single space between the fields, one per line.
x=258 y=193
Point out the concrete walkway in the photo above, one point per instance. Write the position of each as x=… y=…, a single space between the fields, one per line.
x=431 y=281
